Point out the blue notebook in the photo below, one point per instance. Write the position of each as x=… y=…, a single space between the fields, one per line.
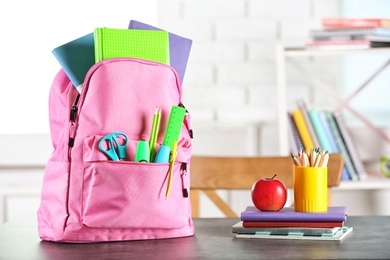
x=179 y=48
x=76 y=58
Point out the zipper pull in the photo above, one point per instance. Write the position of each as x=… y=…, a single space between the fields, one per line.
x=183 y=174
x=187 y=121
x=72 y=119
x=73 y=113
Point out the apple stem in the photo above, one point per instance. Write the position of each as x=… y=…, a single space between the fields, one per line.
x=274 y=176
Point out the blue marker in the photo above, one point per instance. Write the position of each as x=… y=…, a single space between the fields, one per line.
x=163 y=154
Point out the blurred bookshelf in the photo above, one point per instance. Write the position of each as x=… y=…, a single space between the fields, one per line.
x=289 y=56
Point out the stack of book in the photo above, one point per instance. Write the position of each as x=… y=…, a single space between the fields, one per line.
x=290 y=224
x=320 y=128
x=139 y=40
x=350 y=33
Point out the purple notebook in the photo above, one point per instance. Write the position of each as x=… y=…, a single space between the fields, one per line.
x=334 y=213
x=179 y=48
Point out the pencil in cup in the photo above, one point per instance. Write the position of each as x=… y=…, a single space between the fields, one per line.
x=312 y=158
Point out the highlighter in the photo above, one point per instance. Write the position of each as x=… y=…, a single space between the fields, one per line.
x=142 y=153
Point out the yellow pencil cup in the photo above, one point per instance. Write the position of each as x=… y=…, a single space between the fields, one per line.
x=310 y=189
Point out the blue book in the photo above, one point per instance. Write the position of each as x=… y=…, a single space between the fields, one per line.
x=76 y=58
x=179 y=47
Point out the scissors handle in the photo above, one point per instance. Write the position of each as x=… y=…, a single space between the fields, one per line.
x=110 y=151
x=121 y=149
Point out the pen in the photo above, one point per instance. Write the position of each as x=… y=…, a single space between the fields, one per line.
x=171 y=163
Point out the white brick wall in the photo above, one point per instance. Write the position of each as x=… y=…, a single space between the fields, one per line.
x=230 y=77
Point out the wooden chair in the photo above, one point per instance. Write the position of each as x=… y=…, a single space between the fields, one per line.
x=210 y=173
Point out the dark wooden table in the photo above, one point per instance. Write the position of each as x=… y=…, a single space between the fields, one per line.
x=213 y=240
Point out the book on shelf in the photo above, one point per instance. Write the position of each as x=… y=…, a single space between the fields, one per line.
x=131 y=43
x=338 y=236
x=240 y=229
x=323 y=137
x=294 y=138
x=328 y=131
x=345 y=34
x=316 y=224
x=380 y=35
x=320 y=131
x=384 y=32
x=76 y=58
x=338 y=44
x=350 y=145
x=330 y=137
x=334 y=149
x=179 y=47
x=305 y=113
x=334 y=213
x=340 y=38
x=340 y=144
x=302 y=129
x=341 y=22
x=379 y=41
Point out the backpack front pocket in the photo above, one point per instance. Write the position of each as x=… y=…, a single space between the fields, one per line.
x=124 y=194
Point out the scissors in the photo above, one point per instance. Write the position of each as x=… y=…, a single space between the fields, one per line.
x=116 y=151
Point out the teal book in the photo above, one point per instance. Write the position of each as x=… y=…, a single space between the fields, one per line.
x=320 y=130
x=130 y=43
x=76 y=58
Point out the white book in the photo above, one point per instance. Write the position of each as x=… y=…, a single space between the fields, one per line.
x=339 y=236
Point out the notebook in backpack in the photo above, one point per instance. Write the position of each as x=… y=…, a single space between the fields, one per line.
x=87 y=197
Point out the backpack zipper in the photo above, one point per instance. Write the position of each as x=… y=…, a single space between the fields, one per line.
x=183 y=173
x=72 y=122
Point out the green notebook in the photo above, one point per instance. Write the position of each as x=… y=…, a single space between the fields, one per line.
x=130 y=43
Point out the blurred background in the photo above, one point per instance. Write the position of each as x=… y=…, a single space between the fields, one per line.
x=230 y=87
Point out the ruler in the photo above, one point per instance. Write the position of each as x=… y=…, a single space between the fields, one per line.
x=175 y=122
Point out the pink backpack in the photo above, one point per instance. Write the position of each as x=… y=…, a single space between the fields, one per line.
x=86 y=197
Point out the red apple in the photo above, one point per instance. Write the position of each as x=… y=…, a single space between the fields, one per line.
x=269 y=194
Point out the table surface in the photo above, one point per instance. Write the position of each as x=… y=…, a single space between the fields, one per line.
x=213 y=240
